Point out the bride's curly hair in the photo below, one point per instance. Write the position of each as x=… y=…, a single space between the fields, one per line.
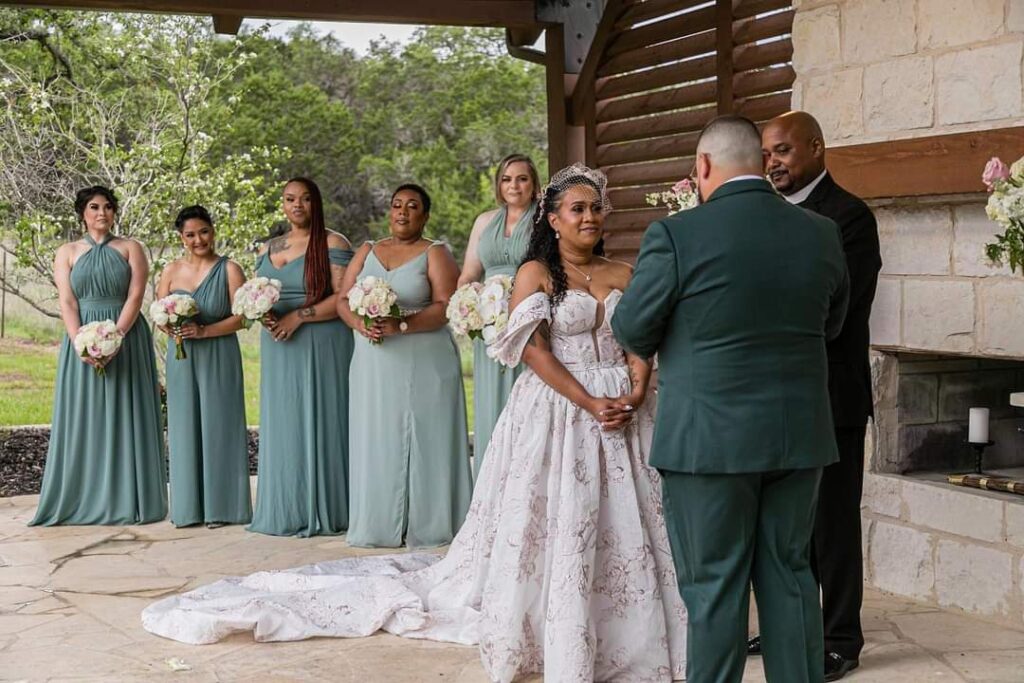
x=543 y=246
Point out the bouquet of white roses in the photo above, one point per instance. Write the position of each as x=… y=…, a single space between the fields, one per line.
x=480 y=311
x=1006 y=207
x=682 y=196
x=255 y=298
x=99 y=340
x=372 y=298
x=173 y=311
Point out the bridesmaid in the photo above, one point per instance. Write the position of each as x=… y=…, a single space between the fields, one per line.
x=411 y=479
x=497 y=246
x=304 y=356
x=105 y=463
x=205 y=399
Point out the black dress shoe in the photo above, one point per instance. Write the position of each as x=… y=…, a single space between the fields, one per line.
x=754 y=646
x=837 y=666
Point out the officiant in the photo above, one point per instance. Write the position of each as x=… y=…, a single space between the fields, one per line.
x=795 y=151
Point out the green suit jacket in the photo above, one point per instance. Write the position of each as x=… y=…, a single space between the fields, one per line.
x=738 y=296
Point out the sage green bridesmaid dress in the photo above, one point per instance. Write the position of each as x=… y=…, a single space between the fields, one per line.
x=492 y=382
x=206 y=417
x=302 y=481
x=409 y=447
x=105 y=463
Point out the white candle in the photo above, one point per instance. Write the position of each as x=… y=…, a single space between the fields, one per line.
x=977 y=431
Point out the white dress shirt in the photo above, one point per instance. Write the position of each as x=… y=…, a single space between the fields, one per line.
x=800 y=196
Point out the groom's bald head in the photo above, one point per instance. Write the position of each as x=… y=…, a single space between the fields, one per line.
x=729 y=146
x=732 y=142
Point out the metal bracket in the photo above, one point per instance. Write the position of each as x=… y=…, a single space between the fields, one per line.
x=580 y=19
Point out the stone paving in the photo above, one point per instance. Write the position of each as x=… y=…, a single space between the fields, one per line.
x=70 y=599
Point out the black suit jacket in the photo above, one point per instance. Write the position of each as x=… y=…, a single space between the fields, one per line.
x=849 y=369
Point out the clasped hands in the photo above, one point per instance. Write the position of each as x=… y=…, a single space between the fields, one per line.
x=379 y=328
x=282 y=329
x=615 y=413
x=190 y=330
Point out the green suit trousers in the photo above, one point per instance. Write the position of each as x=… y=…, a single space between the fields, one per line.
x=728 y=531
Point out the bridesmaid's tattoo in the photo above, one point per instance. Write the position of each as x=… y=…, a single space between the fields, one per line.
x=307 y=312
x=278 y=244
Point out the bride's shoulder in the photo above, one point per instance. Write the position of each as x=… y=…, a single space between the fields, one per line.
x=619 y=273
x=533 y=275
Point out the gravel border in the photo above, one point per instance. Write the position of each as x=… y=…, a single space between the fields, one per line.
x=23 y=455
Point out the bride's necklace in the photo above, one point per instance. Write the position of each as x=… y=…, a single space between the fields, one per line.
x=588 y=278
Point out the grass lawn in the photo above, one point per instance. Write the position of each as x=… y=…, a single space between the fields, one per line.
x=27 y=370
x=28 y=365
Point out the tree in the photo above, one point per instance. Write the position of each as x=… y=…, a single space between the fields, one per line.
x=124 y=101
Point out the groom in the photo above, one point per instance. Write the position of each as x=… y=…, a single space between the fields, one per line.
x=738 y=296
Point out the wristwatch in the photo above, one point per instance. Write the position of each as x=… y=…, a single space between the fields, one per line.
x=403 y=326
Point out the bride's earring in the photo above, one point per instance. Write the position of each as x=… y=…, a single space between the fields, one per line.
x=558 y=235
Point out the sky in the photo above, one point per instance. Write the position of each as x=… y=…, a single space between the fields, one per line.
x=354 y=35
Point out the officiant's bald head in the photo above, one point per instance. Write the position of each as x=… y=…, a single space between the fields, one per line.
x=794 y=150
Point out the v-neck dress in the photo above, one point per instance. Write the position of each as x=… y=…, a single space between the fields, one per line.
x=105 y=463
x=302 y=483
x=499 y=255
x=409 y=447
x=206 y=417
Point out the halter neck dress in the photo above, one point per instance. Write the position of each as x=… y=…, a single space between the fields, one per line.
x=105 y=463
x=302 y=484
x=206 y=417
x=500 y=255
x=409 y=447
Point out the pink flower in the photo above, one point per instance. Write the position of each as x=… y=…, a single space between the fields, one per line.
x=995 y=170
x=682 y=186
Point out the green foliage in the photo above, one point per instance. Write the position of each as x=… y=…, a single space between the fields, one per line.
x=123 y=101
x=169 y=114
x=1008 y=247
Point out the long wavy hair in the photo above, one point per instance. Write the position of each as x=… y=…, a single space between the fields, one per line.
x=543 y=245
x=317 y=269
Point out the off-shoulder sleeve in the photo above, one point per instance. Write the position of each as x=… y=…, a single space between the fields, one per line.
x=508 y=347
x=339 y=256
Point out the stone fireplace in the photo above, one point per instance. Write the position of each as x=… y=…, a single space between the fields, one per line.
x=921 y=412
x=947 y=326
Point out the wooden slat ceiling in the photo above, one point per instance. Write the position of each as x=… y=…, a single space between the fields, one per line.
x=664 y=70
x=503 y=13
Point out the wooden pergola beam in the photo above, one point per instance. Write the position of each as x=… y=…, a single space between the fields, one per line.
x=227 y=24
x=916 y=167
x=503 y=13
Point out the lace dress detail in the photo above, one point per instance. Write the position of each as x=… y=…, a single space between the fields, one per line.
x=563 y=565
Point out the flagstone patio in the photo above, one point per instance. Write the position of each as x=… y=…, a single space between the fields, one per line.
x=70 y=599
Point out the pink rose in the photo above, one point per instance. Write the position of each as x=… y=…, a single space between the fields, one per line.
x=995 y=170
x=682 y=186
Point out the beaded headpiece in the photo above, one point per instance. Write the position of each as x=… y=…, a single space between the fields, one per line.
x=571 y=176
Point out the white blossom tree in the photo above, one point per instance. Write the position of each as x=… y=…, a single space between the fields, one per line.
x=123 y=101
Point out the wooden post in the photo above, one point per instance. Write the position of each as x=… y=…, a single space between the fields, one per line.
x=723 y=55
x=554 y=46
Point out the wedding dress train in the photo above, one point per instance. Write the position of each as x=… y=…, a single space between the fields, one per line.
x=563 y=564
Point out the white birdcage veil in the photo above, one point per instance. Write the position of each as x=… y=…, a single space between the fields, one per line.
x=571 y=176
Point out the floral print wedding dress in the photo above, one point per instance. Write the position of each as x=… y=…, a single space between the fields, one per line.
x=563 y=565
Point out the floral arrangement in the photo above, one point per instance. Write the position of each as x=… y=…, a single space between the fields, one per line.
x=1006 y=207
x=683 y=195
x=255 y=298
x=373 y=299
x=480 y=310
x=99 y=341
x=173 y=311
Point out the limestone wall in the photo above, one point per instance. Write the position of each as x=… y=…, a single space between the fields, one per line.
x=875 y=70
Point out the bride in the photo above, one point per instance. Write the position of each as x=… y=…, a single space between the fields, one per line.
x=563 y=564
